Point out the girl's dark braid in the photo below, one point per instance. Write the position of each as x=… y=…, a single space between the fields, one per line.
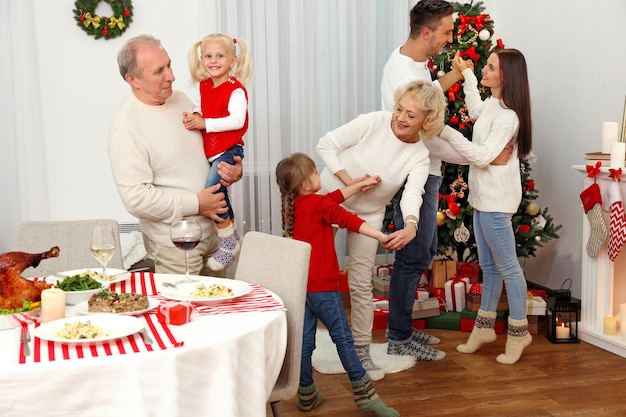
x=287 y=214
x=291 y=173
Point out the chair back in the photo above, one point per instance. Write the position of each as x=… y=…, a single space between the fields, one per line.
x=73 y=237
x=282 y=266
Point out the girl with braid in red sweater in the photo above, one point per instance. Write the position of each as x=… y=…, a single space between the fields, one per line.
x=309 y=217
x=222 y=116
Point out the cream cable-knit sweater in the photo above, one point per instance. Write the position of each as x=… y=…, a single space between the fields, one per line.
x=492 y=188
x=158 y=165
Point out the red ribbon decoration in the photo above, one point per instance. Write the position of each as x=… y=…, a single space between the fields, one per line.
x=453 y=92
x=615 y=173
x=470 y=52
x=476 y=21
x=457 y=279
x=593 y=171
x=499 y=44
x=453 y=207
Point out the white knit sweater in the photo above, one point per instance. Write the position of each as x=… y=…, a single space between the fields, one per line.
x=157 y=164
x=367 y=145
x=492 y=188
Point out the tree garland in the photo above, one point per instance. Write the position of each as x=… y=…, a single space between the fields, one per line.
x=107 y=27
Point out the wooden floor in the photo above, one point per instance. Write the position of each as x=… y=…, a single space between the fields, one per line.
x=549 y=380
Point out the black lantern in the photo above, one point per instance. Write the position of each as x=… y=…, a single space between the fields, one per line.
x=563 y=316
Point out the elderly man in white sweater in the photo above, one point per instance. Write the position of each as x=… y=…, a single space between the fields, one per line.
x=159 y=166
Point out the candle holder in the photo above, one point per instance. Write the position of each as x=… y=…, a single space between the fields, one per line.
x=562 y=314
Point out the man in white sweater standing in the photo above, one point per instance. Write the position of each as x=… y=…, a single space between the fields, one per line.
x=159 y=166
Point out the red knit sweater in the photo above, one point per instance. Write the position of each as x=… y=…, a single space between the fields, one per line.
x=214 y=104
x=314 y=215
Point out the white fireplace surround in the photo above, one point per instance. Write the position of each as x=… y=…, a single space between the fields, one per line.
x=603 y=286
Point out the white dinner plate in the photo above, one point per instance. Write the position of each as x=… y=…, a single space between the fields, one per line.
x=124 y=275
x=183 y=292
x=115 y=326
x=83 y=308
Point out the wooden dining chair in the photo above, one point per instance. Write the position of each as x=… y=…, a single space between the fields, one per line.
x=73 y=237
x=281 y=265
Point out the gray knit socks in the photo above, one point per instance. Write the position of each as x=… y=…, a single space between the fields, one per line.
x=309 y=398
x=483 y=332
x=367 y=399
x=517 y=339
x=374 y=372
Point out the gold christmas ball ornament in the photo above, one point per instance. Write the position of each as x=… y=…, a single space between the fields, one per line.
x=441 y=218
x=532 y=208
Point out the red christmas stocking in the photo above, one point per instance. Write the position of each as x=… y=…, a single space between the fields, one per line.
x=592 y=203
x=617 y=231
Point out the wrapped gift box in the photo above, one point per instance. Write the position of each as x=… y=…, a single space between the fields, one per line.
x=382 y=271
x=473 y=302
x=380 y=319
x=381 y=286
x=419 y=324
x=380 y=303
x=450 y=320
x=469 y=270
x=422 y=293
x=536 y=324
x=425 y=308
x=468 y=318
x=456 y=290
x=174 y=313
x=536 y=306
x=442 y=271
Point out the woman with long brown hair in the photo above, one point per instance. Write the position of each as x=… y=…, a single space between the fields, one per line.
x=495 y=191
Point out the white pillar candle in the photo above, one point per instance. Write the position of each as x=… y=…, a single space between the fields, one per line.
x=610 y=325
x=562 y=332
x=609 y=135
x=52 y=304
x=618 y=153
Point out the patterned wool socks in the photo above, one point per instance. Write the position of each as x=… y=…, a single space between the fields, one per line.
x=483 y=332
x=374 y=372
x=420 y=351
x=516 y=340
x=309 y=398
x=229 y=247
x=367 y=399
x=424 y=338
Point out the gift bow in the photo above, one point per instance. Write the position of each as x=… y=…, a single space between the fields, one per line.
x=615 y=174
x=466 y=270
x=477 y=21
x=453 y=208
x=593 y=171
x=117 y=21
x=95 y=21
x=453 y=92
x=499 y=44
x=470 y=52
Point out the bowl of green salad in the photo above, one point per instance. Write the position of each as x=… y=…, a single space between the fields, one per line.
x=79 y=288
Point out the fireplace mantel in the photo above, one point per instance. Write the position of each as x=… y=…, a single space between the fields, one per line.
x=603 y=286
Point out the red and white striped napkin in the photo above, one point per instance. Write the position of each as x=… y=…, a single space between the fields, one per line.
x=45 y=351
x=139 y=283
x=259 y=299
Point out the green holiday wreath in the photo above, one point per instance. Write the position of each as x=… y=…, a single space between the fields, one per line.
x=107 y=27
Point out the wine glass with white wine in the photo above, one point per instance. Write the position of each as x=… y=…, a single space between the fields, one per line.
x=103 y=245
x=186 y=233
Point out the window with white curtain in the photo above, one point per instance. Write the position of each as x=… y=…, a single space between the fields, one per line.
x=317 y=65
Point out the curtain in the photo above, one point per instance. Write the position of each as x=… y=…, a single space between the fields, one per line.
x=316 y=65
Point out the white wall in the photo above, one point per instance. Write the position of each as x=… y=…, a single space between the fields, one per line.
x=574 y=51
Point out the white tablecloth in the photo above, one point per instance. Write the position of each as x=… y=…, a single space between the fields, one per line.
x=227 y=367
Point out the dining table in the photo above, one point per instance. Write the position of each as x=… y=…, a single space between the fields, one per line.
x=223 y=362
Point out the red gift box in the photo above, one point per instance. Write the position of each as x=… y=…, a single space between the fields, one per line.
x=174 y=313
x=380 y=319
x=469 y=270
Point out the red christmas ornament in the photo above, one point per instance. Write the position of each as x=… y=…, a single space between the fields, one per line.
x=454 y=120
x=523 y=228
x=105 y=31
x=391 y=227
x=126 y=12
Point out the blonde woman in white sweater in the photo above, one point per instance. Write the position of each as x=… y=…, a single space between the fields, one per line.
x=388 y=145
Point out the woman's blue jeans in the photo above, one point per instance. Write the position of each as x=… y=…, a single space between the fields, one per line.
x=328 y=308
x=497 y=256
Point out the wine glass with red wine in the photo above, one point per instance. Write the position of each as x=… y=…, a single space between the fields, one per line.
x=186 y=233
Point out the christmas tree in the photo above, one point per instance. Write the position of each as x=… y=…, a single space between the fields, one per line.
x=533 y=227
